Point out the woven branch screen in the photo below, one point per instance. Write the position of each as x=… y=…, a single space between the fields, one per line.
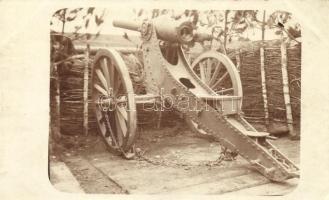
x=253 y=105
x=71 y=90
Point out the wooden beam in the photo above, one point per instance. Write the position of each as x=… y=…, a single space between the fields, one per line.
x=80 y=49
x=57 y=120
x=264 y=90
x=286 y=93
x=85 y=91
x=262 y=72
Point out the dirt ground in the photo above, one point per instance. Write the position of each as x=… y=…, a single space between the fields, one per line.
x=174 y=160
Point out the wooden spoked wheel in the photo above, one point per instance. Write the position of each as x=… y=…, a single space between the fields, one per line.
x=220 y=74
x=113 y=97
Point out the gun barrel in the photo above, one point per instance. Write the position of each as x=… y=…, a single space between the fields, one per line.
x=200 y=37
x=127 y=24
x=166 y=29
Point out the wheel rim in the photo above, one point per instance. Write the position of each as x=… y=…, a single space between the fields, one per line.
x=113 y=97
x=220 y=74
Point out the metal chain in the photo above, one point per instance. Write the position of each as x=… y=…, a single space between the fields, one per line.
x=225 y=155
x=128 y=155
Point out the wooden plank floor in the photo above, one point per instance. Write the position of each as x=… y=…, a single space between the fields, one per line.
x=185 y=169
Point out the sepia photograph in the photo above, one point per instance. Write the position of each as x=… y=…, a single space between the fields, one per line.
x=156 y=100
x=174 y=101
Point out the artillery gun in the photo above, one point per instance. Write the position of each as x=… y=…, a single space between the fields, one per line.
x=189 y=89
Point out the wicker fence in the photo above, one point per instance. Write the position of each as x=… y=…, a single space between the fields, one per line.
x=71 y=79
x=250 y=72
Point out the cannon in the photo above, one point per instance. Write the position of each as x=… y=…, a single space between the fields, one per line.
x=208 y=93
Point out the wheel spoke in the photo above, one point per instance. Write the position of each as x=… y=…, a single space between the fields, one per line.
x=208 y=70
x=104 y=123
x=202 y=72
x=111 y=126
x=220 y=79
x=111 y=83
x=224 y=90
x=215 y=74
x=117 y=84
x=102 y=79
x=100 y=89
x=118 y=87
x=119 y=135
x=112 y=74
x=105 y=71
x=122 y=111
x=122 y=117
x=122 y=124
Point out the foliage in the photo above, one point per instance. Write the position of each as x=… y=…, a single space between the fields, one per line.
x=83 y=16
x=224 y=25
x=280 y=20
x=229 y=25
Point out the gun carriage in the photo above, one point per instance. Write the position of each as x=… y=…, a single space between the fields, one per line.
x=207 y=92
